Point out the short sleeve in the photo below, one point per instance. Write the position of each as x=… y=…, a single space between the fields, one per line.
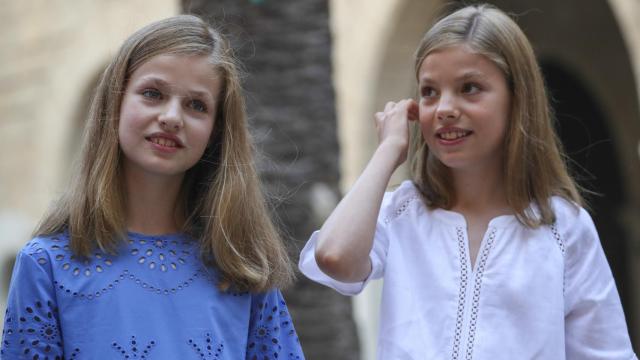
x=31 y=325
x=309 y=267
x=595 y=326
x=271 y=332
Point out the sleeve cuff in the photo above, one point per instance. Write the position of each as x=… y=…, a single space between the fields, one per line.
x=310 y=269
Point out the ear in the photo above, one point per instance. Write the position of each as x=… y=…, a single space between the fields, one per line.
x=413 y=110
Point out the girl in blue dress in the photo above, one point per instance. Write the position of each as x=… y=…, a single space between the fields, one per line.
x=162 y=246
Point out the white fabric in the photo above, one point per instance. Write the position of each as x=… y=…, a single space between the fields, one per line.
x=545 y=293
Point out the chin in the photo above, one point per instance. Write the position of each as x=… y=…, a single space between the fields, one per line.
x=165 y=171
x=454 y=163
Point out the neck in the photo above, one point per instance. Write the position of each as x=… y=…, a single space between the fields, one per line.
x=152 y=203
x=480 y=191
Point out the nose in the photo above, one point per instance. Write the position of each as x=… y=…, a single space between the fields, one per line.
x=171 y=117
x=447 y=109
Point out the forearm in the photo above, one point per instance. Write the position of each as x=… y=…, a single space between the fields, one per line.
x=346 y=238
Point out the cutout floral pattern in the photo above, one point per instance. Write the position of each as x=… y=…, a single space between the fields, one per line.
x=32 y=327
x=135 y=349
x=210 y=350
x=61 y=256
x=158 y=253
x=273 y=325
x=34 y=331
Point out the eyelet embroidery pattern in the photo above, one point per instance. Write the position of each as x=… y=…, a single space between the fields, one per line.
x=127 y=276
x=558 y=238
x=35 y=332
x=237 y=293
x=476 y=292
x=163 y=255
x=62 y=257
x=463 y=291
x=208 y=351
x=73 y=355
x=560 y=242
x=401 y=209
x=43 y=331
x=262 y=344
x=7 y=332
x=134 y=351
x=156 y=253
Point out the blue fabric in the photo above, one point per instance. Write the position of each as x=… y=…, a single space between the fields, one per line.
x=155 y=300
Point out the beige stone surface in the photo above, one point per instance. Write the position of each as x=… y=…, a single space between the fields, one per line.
x=51 y=53
x=627 y=13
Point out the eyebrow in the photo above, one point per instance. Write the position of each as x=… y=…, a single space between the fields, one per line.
x=192 y=93
x=472 y=74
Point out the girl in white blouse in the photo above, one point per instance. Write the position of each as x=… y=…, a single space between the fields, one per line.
x=487 y=252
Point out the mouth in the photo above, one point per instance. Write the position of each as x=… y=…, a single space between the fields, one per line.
x=452 y=134
x=164 y=141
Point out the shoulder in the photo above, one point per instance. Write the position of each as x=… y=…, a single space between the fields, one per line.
x=573 y=224
x=396 y=203
x=41 y=247
x=565 y=209
x=268 y=304
x=35 y=260
x=569 y=215
x=271 y=330
x=271 y=297
x=52 y=253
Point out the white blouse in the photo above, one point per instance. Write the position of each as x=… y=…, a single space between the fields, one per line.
x=545 y=293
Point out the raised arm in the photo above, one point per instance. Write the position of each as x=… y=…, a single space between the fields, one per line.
x=346 y=238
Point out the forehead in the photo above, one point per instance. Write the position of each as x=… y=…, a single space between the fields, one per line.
x=192 y=73
x=457 y=61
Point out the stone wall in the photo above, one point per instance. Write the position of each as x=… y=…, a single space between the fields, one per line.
x=51 y=53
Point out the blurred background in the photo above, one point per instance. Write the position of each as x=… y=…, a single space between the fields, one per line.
x=316 y=71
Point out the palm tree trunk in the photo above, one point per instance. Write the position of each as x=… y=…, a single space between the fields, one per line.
x=285 y=46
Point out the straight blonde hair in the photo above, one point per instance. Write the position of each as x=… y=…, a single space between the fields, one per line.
x=534 y=169
x=223 y=203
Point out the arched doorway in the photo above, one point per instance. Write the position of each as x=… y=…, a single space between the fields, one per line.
x=588 y=71
x=588 y=143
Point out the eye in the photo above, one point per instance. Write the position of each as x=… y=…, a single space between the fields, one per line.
x=198 y=105
x=470 y=88
x=428 y=92
x=151 y=94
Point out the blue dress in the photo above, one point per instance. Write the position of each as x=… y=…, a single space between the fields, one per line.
x=155 y=300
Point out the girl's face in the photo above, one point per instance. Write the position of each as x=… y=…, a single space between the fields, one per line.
x=167 y=114
x=464 y=108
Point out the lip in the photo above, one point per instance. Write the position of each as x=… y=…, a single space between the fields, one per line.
x=452 y=129
x=163 y=148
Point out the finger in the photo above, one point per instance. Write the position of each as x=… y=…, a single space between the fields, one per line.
x=389 y=106
x=404 y=103
x=379 y=116
x=408 y=106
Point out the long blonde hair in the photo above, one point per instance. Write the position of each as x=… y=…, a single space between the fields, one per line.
x=222 y=199
x=534 y=168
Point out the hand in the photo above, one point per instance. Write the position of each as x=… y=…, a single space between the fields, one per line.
x=392 y=126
